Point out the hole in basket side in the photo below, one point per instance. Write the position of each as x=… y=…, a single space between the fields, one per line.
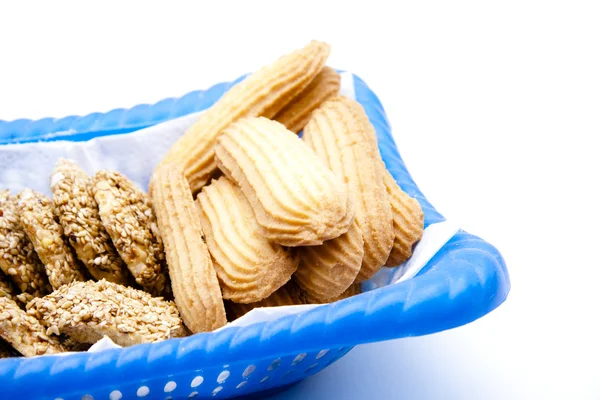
x=321 y=353
x=170 y=386
x=115 y=395
x=299 y=358
x=249 y=370
x=223 y=377
x=241 y=384
x=310 y=368
x=143 y=391
x=274 y=365
x=197 y=381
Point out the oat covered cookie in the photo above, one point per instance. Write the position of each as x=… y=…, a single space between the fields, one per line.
x=127 y=215
x=24 y=332
x=263 y=93
x=40 y=223
x=87 y=311
x=78 y=213
x=18 y=259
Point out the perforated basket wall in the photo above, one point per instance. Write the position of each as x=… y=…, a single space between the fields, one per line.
x=466 y=279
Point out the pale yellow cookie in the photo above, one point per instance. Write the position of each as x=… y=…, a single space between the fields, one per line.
x=327 y=270
x=128 y=218
x=296 y=199
x=25 y=333
x=263 y=93
x=46 y=234
x=340 y=133
x=193 y=278
x=287 y=295
x=408 y=222
x=352 y=290
x=296 y=114
x=18 y=259
x=87 y=311
x=249 y=266
x=78 y=213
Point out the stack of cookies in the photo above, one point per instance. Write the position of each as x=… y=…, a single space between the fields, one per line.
x=241 y=213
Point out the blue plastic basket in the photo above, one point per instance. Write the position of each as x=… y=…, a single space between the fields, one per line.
x=465 y=280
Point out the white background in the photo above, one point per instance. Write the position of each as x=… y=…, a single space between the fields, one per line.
x=495 y=108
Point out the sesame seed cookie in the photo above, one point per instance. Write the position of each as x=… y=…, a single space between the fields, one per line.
x=46 y=234
x=24 y=332
x=127 y=216
x=18 y=259
x=78 y=213
x=87 y=311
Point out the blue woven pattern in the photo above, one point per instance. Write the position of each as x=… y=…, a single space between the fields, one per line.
x=464 y=281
